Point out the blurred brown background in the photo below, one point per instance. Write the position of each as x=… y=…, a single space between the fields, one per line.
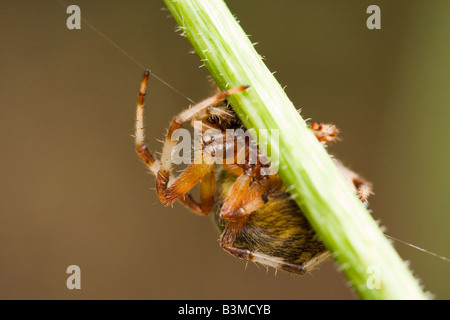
x=74 y=192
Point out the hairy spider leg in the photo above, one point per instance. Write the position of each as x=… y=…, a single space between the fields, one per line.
x=325 y=132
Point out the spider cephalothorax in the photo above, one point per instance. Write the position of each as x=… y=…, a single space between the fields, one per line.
x=254 y=212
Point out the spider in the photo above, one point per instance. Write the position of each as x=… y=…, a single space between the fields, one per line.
x=255 y=214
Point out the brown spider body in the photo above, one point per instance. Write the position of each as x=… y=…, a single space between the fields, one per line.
x=257 y=218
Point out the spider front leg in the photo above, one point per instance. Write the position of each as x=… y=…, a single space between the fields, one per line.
x=325 y=132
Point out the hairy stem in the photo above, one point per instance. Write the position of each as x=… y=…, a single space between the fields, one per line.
x=365 y=256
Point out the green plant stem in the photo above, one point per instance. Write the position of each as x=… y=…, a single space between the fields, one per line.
x=342 y=222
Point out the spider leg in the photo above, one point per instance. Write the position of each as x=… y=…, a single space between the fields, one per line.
x=207 y=192
x=325 y=132
x=360 y=186
x=363 y=187
x=277 y=263
x=242 y=200
x=141 y=147
x=233 y=168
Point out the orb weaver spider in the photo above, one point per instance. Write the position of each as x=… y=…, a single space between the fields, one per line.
x=256 y=215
